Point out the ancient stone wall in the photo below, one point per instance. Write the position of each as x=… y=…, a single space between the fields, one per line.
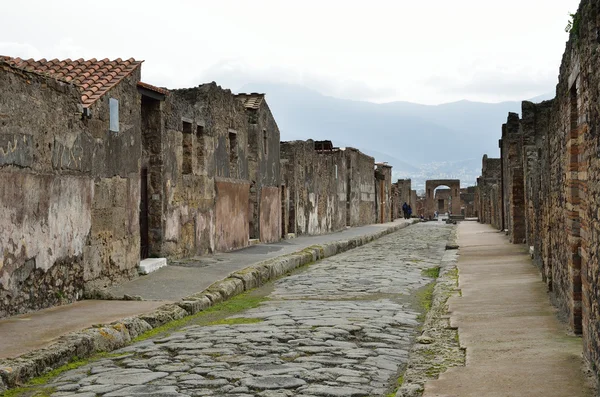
x=360 y=188
x=70 y=190
x=317 y=185
x=405 y=192
x=263 y=167
x=467 y=200
x=489 y=192
x=551 y=156
x=205 y=136
x=383 y=192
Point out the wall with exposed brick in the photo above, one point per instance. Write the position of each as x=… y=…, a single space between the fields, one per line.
x=488 y=199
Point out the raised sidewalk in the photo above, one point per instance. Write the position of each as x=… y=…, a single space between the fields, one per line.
x=515 y=345
x=33 y=343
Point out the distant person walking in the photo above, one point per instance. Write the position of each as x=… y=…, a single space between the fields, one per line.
x=409 y=212
x=405 y=209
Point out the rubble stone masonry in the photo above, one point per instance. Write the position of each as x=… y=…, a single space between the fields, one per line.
x=69 y=193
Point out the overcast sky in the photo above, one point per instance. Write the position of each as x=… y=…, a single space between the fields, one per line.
x=431 y=51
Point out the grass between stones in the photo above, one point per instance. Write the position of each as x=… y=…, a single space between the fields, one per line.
x=34 y=388
x=398 y=385
x=214 y=315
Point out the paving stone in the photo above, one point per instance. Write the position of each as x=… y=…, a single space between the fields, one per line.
x=273 y=382
x=340 y=328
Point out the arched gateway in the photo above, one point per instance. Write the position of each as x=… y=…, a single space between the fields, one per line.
x=430 y=186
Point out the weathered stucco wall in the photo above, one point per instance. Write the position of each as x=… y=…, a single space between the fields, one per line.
x=270 y=214
x=204 y=135
x=383 y=192
x=231 y=214
x=361 y=188
x=263 y=163
x=68 y=217
x=317 y=184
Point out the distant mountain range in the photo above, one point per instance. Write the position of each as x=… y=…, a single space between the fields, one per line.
x=420 y=141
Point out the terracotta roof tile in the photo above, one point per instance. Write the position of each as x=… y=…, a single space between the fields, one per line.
x=151 y=87
x=94 y=78
x=251 y=101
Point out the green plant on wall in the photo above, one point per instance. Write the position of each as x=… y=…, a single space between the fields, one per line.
x=573 y=25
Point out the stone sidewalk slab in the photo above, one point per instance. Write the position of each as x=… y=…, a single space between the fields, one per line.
x=515 y=345
x=213 y=280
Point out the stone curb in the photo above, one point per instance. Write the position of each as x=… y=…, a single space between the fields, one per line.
x=105 y=338
x=437 y=335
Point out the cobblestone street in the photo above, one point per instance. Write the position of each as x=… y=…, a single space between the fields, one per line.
x=341 y=327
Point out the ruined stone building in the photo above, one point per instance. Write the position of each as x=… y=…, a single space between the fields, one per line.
x=488 y=195
x=406 y=195
x=383 y=192
x=70 y=150
x=263 y=165
x=195 y=170
x=100 y=170
x=550 y=170
x=328 y=188
x=467 y=201
x=442 y=199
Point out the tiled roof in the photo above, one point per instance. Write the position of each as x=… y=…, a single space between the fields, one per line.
x=251 y=101
x=154 y=88
x=93 y=77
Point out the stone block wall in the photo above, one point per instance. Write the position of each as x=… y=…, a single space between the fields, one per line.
x=263 y=168
x=201 y=172
x=405 y=192
x=383 y=192
x=467 y=200
x=360 y=188
x=70 y=190
x=317 y=186
x=489 y=204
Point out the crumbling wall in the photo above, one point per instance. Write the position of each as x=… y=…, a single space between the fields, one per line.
x=317 y=186
x=231 y=215
x=68 y=217
x=556 y=144
x=264 y=169
x=467 y=199
x=383 y=189
x=360 y=187
x=489 y=192
x=270 y=214
x=205 y=137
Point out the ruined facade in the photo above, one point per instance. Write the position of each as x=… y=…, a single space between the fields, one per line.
x=316 y=182
x=467 y=202
x=195 y=145
x=70 y=150
x=550 y=166
x=383 y=192
x=442 y=199
x=488 y=195
x=327 y=188
x=360 y=200
x=263 y=165
x=406 y=195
